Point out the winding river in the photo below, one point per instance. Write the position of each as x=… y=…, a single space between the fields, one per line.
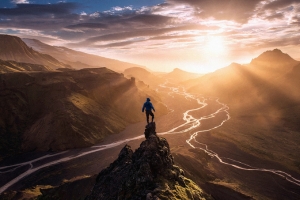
x=191 y=123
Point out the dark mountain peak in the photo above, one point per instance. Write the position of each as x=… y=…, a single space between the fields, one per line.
x=273 y=57
x=12 y=44
x=147 y=173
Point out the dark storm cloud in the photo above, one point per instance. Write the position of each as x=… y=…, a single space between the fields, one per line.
x=296 y=20
x=275 y=16
x=105 y=21
x=117 y=44
x=150 y=19
x=235 y=10
x=39 y=16
x=54 y=22
x=179 y=38
x=170 y=37
x=61 y=21
x=39 y=9
x=88 y=26
x=145 y=32
x=274 y=5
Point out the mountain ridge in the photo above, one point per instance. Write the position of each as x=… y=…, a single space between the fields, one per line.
x=70 y=56
x=70 y=109
x=14 y=49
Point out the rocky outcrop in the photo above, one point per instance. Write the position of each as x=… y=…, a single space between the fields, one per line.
x=148 y=173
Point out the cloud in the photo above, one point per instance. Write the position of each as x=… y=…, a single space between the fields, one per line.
x=173 y=26
x=39 y=9
x=296 y=20
x=279 y=42
x=275 y=16
x=20 y=1
x=145 y=32
x=150 y=19
x=277 y=4
x=234 y=10
x=117 y=44
x=171 y=37
x=87 y=26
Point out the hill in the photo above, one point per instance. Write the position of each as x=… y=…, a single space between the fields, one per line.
x=77 y=59
x=14 y=49
x=61 y=110
x=266 y=79
x=275 y=60
x=264 y=99
x=178 y=75
x=13 y=66
x=142 y=74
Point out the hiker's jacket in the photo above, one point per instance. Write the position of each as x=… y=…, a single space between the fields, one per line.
x=148 y=106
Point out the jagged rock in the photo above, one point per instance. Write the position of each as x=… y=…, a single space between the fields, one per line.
x=150 y=129
x=148 y=173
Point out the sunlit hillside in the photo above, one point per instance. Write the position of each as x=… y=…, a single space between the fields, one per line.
x=263 y=98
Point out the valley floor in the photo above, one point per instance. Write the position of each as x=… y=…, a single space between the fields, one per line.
x=232 y=142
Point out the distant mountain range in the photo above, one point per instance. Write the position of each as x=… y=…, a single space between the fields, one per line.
x=143 y=75
x=154 y=79
x=77 y=59
x=179 y=75
x=270 y=82
x=14 y=49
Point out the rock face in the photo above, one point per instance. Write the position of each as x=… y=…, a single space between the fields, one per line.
x=148 y=173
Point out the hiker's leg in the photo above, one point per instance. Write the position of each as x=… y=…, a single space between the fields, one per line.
x=151 y=113
x=147 y=116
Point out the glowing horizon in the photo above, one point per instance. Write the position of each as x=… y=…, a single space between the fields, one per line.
x=196 y=36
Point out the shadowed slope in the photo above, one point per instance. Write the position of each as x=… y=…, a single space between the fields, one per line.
x=12 y=66
x=71 y=109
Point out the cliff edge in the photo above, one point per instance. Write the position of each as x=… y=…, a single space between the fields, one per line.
x=148 y=173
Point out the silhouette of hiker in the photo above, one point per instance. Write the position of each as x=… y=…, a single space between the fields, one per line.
x=149 y=107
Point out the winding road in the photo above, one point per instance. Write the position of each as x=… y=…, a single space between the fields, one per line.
x=191 y=121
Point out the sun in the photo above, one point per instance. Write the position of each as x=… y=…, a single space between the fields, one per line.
x=214 y=45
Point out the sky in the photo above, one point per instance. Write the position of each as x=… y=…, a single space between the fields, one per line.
x=194 y=35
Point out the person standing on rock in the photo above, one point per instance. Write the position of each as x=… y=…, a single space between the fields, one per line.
x=148 y=107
